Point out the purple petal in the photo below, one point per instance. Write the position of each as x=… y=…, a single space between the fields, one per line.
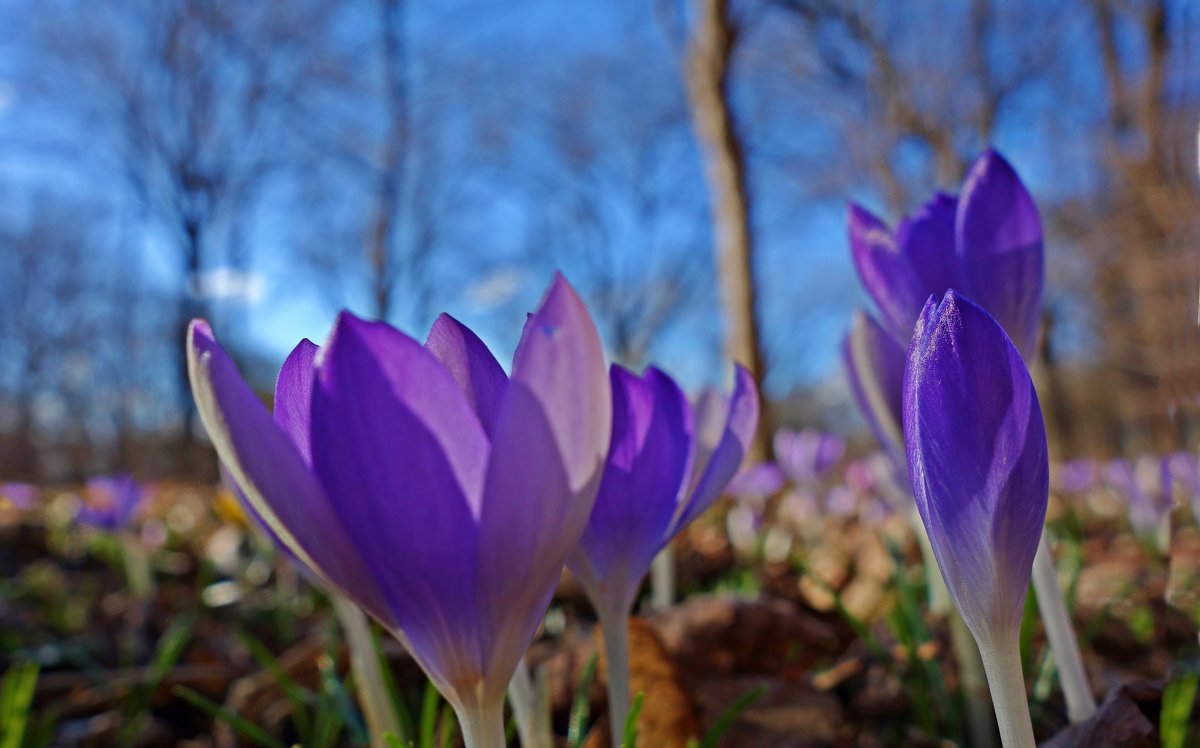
x=886 y=273
x=273 y=475
x=471 y=364
x=402 y=455
x=549 y=443
x=735 y=442
x=294 y=394
x=999 y=241
x=649 y=463
x=927 y=240
x=875 y=367
x=710 y=412
x=977 y=459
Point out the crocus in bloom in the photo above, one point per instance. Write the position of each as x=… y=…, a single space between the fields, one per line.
x=979 y=469
x=986 y=244
x=665 y=467
x=437 y=493
x=110 y=503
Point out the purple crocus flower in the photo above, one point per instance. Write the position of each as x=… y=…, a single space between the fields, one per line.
x=110 y=503
x=648 y=493
x=19 y=495
x=756 y=483
x=664 y=469
x=1183 y=469
x=986 y=244
x=1144 y=486
x=1078 y=477
x=979 y=469
x=977 y=459
x=440 y=495
x=806 y=456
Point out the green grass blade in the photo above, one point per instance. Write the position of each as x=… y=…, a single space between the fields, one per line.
x=300 y=699
x=240 y=725
x=1179 y=700
x=629 y=736
x=170 y=648
x=429 y=712
x=16 y=698
x=579 y=708
x=728 y=717
x=449 y=727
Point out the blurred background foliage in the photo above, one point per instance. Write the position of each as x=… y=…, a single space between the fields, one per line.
x=263 y=164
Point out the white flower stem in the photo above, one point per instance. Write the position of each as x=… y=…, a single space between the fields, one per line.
x=662 y=579
x=1002 y=663
x=482 y=726
x=1081 y=704
x=368 y=677
x=614 y=624
x=530 y=708
x=973 y=681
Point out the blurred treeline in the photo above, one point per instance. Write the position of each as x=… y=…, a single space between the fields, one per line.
x=159 y=157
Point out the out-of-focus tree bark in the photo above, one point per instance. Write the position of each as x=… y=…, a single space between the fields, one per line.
x=707 y=76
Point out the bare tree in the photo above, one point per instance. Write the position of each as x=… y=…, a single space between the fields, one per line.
x=184 y=104
x=710 y=49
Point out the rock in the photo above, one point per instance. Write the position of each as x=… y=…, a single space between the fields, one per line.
x=1120 y=722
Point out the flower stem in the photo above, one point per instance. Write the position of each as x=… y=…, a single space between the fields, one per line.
x=980 y=723
x=137 y=565
x=530 y=709
x=482 y=726
x=614 y=624
x=1002 y=663
x=939 y=596
x=1081 y=704
x=364 y=661
x=662 y=579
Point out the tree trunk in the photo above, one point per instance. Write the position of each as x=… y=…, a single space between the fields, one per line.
x=707 y=76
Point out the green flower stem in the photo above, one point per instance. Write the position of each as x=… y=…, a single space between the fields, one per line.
x=136 y=561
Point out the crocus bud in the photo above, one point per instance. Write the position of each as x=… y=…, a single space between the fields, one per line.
x=977 y=459
x=980 y=473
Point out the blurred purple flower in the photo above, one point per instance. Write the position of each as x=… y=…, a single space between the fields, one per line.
x=652 y=488
x=1183 y=469
x=874 y=362
x=440 y=495
x=756 y=483
x=1144 y=486
x=20 y=495
x=806 y=456
x=977 y=460
x=1077 y=477
x=986 y=244
x=110 y=503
